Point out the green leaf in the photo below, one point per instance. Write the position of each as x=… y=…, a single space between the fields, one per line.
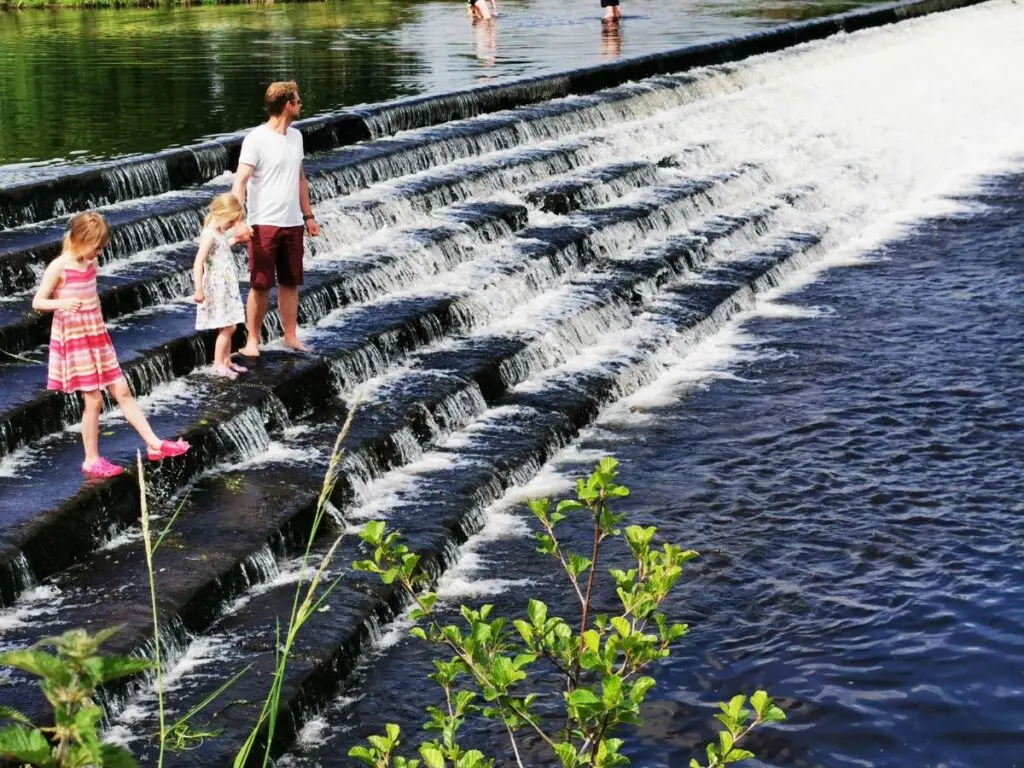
x=26 y=746
x=525 y=631
x=578 y=564
x=725 y=742
x=568 y=505
x=638 y=692
x=472 y=759
x=583 y=697
x=373 y=532
x=363 y=755
x=537 y=611
x=113 y=667
x=738 y=755
x=8 y=713
x=621 y=626
x=116 y=756
x=758 y=700
x=567 y=754
x=611 y=691
x=432 y=756
x=539 y=508
x=38 y=663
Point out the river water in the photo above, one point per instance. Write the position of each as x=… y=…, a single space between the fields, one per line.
x=81 y=86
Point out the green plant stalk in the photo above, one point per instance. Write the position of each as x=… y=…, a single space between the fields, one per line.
x=300 y=607
x=148 y=544
x=588 y=596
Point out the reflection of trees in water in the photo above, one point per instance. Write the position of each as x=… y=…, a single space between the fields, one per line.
x=87 y=80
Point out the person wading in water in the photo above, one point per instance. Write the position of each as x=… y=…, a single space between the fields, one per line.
x=612 y=12
x=270 y=177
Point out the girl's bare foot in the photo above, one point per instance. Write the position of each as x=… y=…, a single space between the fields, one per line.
x=223 y=371
x=238 y=368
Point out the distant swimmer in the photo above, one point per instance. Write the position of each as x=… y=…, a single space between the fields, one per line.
x=479 y=9
x=612 y=11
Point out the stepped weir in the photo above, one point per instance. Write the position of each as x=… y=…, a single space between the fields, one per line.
x=496 y=267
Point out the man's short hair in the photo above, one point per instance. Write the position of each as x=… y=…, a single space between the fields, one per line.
x=279 y=94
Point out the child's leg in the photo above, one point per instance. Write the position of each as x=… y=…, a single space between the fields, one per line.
x=222 y=347
x=91 y=425
x=133 y=414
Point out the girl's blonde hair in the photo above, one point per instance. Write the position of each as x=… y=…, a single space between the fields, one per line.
x=224 y=208
x=86 y=231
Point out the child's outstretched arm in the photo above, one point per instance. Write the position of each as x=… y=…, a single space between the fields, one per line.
x=42 y=302
x=199 y=266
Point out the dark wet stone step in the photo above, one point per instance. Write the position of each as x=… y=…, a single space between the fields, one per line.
x=155 y=347
x=234 y=523
x=598 y=186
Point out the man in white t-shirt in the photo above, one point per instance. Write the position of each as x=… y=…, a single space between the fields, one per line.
x=270 y=174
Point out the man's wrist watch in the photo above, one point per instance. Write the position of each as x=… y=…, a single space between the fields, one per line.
x=308 y=216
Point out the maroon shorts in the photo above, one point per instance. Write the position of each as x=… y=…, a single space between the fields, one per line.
x=275 y=250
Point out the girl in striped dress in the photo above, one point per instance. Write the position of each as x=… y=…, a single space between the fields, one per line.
x=82 y=357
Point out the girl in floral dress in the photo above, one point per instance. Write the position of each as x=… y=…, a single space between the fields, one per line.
x=218 y=302
x=82 y=357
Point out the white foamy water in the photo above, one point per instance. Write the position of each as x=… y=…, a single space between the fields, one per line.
x=38 y=604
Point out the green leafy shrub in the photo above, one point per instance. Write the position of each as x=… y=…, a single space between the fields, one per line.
x=69 y=678
x=497 y=666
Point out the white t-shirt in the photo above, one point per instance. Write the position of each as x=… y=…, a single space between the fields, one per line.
x=273 y=194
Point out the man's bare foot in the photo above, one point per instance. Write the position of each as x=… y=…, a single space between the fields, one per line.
x=249 y=351
x=296 y=344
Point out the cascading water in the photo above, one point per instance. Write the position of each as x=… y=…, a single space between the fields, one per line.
x=483 y=291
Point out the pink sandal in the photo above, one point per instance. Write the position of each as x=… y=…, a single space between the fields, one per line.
x=102 y=468
x=168 y=448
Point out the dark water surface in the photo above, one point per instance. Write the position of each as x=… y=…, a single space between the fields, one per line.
x=87 y=85
x=854 y=486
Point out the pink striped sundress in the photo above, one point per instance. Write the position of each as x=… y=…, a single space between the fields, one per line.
x=82 y=356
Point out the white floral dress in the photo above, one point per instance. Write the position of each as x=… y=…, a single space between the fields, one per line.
x=223 y=305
